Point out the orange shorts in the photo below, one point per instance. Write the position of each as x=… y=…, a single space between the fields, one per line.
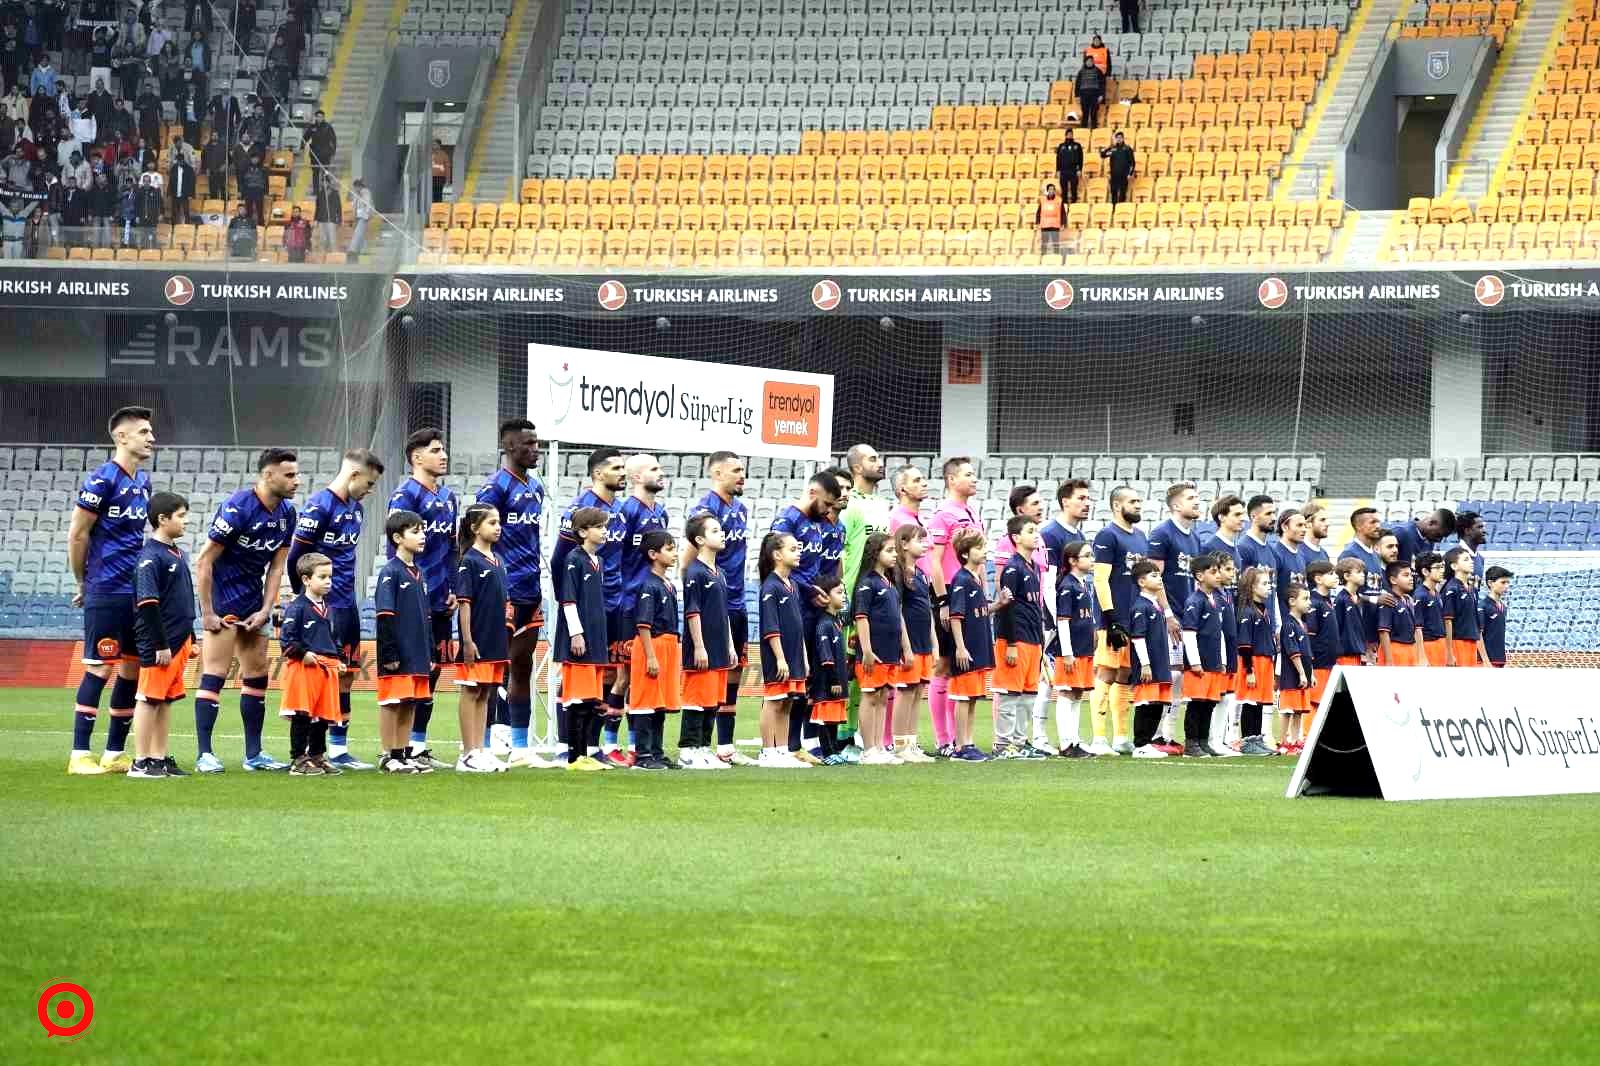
x=162 y=684
x=312 y=690
x=1466 y=652
x=1349 y=660
x=1403 y=654
x=583 y=682
x=1074 y=672
x=1261 y=691
x=704 y=689
x=664 y=692
x=880 y=676
x=1152 y=692
x=782 y=690
x=830 y=711
x=972 y=685
x=1291 y=700
x=1319 y=685
x=1024 y=676
x=398 y=688
x=479 y=673
x=914 y=671
x=1106 y=656
x=1433 y=651
x=1209 y=685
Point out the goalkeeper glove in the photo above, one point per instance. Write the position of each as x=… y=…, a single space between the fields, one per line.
x=1116 y=636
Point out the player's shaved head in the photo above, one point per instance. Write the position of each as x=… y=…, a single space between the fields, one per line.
x=644 y=472
x=864 y=462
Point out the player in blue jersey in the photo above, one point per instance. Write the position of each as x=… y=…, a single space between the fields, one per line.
x=330 y=525
x=1289 y=557
x=1172 y=545
x=641 y=513
x=804 y=520
x=726 y=471
x=103 y=545
x=1423 y=534
x=1363 y=547
x=1316 y=516
x=425 y=494
x=238 y=576
x=1117 y=547
x=517 y=495
x=1074 y=505
x=1471 y=535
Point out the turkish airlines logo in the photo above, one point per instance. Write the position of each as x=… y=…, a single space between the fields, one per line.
x=826 y=295
x=1058 y=295
x=1489 y=290
x=612 y=295
x=179 y=290
x=399 y=293
x=1272 y=293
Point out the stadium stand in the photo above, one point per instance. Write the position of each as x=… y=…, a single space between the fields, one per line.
x=904 y=137
x=454 y=22
x=1480 y=17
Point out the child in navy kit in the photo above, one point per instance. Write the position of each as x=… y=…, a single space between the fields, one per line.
x=1430 y=606
x=916 y=605
x=1463 y=646
x=784 y=668
x=163 y=626
x=405 y=641
x=829 y=683
x=312 y=663
x=1152 y=661
x=882 y=645
x=1204 y=655
x=709 y=654
x=1397 y=625
x=582 y=645
x=1294 y=671
x=1258 y=658
x=1327 y=639
x=972 y=632
x=1077 y=619
x=655 y=673
x=1019 y=642
x=484 y=651
x=1492 y=613
x=1352 y=612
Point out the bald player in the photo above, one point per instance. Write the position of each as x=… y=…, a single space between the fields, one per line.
x=1172 y=544
x=865 y=513
x=1117 y=547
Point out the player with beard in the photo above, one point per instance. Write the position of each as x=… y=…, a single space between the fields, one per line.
x=726 y=471
x=1172 y=544
x=805 y=520
x=641 y=514
x=1316 y=516
x=866 y=513
x=1117 y=547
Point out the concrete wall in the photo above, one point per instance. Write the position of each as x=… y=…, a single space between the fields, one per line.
x=407 y=82
x=1368 y=179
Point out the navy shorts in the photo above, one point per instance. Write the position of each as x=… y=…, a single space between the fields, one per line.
x=238 y=610
x=526 y=617
x=946 y=641
x=108 y=635
x=346 y=625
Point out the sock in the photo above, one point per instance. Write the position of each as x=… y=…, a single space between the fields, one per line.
x=1100 y=706
x=639 y=723
x=658 y=734
x=1220 y=720
x=339 y=732
x=253 y=712
x=117 y=733
x=1250 y=720
x=1168 y=729
x=89 y=690
x=577 y=717
x=420 y=717
x=799 y=714
x=594 y=724
x=1121 y=701
x=1041 y=714
x=688 y=729
x=319 y=737
x=1146 y=717
x=299 y=735
x=205 y=710
x=398 y=754
x=944 y=725
x=521 y=712
x=613 y=722
x=1066 y=720
x=725 y=723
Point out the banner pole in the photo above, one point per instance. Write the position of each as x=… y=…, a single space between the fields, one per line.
x=551 y=738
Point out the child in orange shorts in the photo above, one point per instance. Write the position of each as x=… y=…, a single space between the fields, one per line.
x=405 y=641
x=1294 y=671
x=972 y=632
x=1205 y=654
x=311 y=668
x=1322 y=624
x=784 y=668
x=1258 y=655
x=1151 y=669
x=829 y=683
x=1397 y=625
x=485 y=645
x=880 y=634
x=163 y=597
x=655 y=671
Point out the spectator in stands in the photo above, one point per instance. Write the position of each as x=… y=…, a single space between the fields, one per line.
x=297 y=236
x=149 y=208
x=214 y=161
x=1121 y=166
x=192 y=111
x=225 y=116
x=103 y=208
x=1069 y=164
x=129 y=61
x=14 y=225
x=122 y=125
x=181 y=147
x=1101 y=55
x=253 y=187
x=66 y=150
x=75 y=205
x=362 y=197
x=329 y=212
x=197 y=17
x=18 y=171
x=21 y=133
x=83 y=172
x=52 y=20
x=75 y=50
x=320 y=143
x=242 y=234
x=130 y=31
x=84 y=127
x=144 y=156
x=1048 y=217
x=1090 y=87
x=12 y=54
x=155 y=44
x=100 y=52
x=171 y=73
x=100 y=103
x=43 y=82
x=442 y=166
x=278 y=65
x=244 y=21
x=148 y=106
x=54 y=191
x=16 y=104
x=128 y=212
x=128 y=169
x=180 y=185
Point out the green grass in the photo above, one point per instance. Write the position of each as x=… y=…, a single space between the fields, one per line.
x=1034 y=912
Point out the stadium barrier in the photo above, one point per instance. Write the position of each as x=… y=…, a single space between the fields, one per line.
x=1417 y=733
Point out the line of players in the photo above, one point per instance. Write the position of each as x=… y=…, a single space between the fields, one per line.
x=256 y=535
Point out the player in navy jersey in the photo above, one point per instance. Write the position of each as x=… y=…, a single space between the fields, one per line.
x=103 y=544
x=1322 y=625
x=1172 y=544
x=330 y=524
x=607 y=473
x=804 y=521
x=163 y=596
x=1363 y=547
x=1316 y=516
x=1429 y=595
x=642 y=513
x=1492 y=613
x=1470 y=534
x=425 y=494
x=1117 y=547
x=1353 y=647
x=238 y=576
x=517 y=495
x=1423 y=534
x=726 y=471
x=1289 y=557
x=1074 y=504
x=1228 y=514
x=1255 y=545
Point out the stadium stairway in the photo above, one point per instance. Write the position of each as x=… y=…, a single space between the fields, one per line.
x=1509 y=97
x=1352 y=66
x=491 y=170
x=1367 y=231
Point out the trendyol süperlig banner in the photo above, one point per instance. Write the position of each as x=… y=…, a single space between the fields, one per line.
x=1431 y=733
x=577 y=394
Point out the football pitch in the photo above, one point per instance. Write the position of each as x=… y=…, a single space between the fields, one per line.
x=1104 y=911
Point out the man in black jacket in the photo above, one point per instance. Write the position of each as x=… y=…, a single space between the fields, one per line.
x=1090 y=87
x=214 y=161
x=1130 y=15
x=242 y=234
x=74 y=213
x=322 y=141
x=1069 y=164
x=180 y=182
x=1121 y=166
x=149 y=107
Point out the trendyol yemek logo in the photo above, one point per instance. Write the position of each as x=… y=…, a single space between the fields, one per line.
x=65 y=1009
x=561 y=393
